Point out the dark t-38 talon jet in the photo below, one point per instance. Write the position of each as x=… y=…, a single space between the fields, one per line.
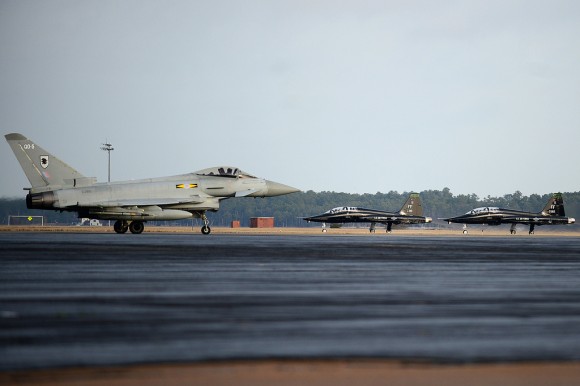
x=57 y=186
x=410 y=213
x=552 y=214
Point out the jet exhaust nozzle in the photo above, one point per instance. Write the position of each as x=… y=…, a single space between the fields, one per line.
x=44 y=200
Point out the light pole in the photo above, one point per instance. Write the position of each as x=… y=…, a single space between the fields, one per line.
x=108 y=148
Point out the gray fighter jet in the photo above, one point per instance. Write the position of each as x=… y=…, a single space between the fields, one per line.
x=552 y=214
x=410 y=213
x=57 y=186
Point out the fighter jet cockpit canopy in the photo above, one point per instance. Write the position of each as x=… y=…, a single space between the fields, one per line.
x=341 y=209
x=225 y=171
x=483 y=210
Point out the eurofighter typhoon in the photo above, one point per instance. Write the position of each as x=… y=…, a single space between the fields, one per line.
x=57 y=186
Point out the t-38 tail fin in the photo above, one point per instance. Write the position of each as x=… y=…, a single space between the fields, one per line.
x=43 y=170
x=554 y=206
x=412 y=206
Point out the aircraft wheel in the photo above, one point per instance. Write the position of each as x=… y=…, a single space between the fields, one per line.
x=206 y=230
x=465 y=231
x=136 y=227
x=120 y=226
x=324 y=230
x=513 y=232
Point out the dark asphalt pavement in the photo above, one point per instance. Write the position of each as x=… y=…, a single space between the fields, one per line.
x=101 y=299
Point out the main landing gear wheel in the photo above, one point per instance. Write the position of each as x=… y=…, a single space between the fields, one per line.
x=121 y=226
x=465 y=231
x=513 y=232
x=136 y=227
x=324 y=230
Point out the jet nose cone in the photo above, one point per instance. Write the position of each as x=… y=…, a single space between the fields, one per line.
x=571 y=220
x=277 y=189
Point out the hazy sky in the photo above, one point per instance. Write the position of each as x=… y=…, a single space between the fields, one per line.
x=353 y=96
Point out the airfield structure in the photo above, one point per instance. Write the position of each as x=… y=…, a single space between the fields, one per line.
x=262 y=222
x=26 y=220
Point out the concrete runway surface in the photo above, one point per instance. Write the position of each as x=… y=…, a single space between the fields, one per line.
x=71 y=299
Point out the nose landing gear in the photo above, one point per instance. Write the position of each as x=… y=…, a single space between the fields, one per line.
x=205 y=229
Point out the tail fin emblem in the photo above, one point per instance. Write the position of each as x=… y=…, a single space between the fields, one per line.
x=44 y=161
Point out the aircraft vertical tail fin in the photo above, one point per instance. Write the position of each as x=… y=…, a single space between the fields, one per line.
x=412 y=206
x=554 y=206
x=43 y=170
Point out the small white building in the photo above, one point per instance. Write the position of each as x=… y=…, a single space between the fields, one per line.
x=90 y=222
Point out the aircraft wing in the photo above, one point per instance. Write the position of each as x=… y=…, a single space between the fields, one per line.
x=398 y=219
x=146 y=202
x=384 y=219
x=536 y=220
x=149 y=209
x=244 y=193
x=381 y=219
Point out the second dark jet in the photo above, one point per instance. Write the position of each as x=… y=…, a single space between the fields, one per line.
x=552 y=214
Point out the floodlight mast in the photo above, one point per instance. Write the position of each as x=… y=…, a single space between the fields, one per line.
x=108 y=148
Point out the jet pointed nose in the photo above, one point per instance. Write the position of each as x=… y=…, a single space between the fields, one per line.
x=277 y=189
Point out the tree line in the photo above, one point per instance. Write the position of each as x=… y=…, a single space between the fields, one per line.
x=289 y=210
